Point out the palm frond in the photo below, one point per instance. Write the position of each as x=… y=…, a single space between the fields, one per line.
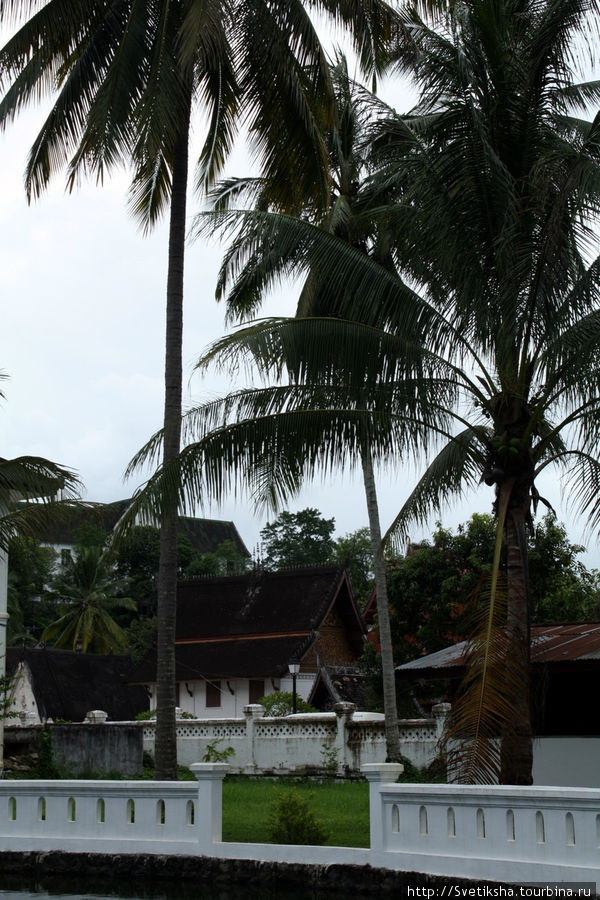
x=455 y=469
x=484 y=707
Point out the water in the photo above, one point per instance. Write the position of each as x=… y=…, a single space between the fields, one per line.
x=66 y=889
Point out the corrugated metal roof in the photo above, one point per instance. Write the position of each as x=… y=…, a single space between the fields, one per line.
x=549 y=643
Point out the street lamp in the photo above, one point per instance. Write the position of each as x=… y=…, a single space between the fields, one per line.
x=294 y=667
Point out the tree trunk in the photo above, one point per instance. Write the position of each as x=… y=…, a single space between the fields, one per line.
x=516 y=750
x=166 y=740
x=392 y=735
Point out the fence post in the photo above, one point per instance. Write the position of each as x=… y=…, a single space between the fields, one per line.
x=252 y=712
x=440 y=713
x=378 y=774
x=343 y=713
x=209 y=814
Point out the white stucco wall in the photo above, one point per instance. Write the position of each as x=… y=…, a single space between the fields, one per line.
x=234 y=695
x=572 y=761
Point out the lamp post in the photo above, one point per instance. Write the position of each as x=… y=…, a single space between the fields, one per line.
x=294 y=667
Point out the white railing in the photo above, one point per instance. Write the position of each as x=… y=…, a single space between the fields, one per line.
x=501 y=834
x=113 y=816
x=492 y=832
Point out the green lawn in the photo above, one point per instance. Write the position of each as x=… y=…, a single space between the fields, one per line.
x=343 y=808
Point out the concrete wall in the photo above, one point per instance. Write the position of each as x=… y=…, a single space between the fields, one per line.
x=105 y=748
x=342 y=740
x=84 y=747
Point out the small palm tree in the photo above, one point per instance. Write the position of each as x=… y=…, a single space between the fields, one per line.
x=89 y=592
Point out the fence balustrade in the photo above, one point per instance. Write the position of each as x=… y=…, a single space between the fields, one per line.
x=496 y=833
x=492 y=832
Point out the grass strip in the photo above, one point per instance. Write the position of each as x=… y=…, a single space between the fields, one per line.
x=343 y=808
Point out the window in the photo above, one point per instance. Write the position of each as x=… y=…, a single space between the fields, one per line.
x=256 y=690
x=213 y=693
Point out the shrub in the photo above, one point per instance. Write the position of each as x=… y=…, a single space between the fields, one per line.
x=46 y=767
x=434 y=773
x=291 y=821
x=216 y=754
x=280 y=703
x=330 y=759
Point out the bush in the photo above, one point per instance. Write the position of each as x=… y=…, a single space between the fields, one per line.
x=291 y=821
x=434 y=773
x=280 y=703
x=46 y=767
x=216 y=754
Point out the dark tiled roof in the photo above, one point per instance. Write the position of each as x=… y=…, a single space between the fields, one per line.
x=67 y=685
x=251 y=625
x=204 y=535
x=257 y=658
x=337 y=684
x=63 y=529
x=569 y=643
x=259 y=602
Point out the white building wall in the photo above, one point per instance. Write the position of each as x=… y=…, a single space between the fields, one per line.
x=573 y=761
x=233 y=693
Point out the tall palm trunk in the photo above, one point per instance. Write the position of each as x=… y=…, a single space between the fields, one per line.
x=516 y=752
x=166 y=739
x=392 y=735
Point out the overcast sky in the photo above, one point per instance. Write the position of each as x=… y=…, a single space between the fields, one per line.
x=83 y=297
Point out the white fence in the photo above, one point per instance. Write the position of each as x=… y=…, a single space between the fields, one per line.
x=113 y=816
x=343 y=740
x=502 y=834
x=514 y=834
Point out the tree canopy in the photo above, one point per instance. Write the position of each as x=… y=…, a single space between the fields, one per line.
x=434 y=586
x=297 y=539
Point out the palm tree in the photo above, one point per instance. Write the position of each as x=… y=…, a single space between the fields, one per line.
x=502 y=188
x=347 y=216
x=128 y=73
x=89 y=591
x=495 y=188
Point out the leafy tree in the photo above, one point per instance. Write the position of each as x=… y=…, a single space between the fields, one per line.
x=90 y=534
x=141 y=636
x=502 y=189
x=89 y=591
x=354 y=550
x=302 y=538
x=29 y=490
x=225 y=560
x=30 y=571
x=136 y=560
x=433 y=588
